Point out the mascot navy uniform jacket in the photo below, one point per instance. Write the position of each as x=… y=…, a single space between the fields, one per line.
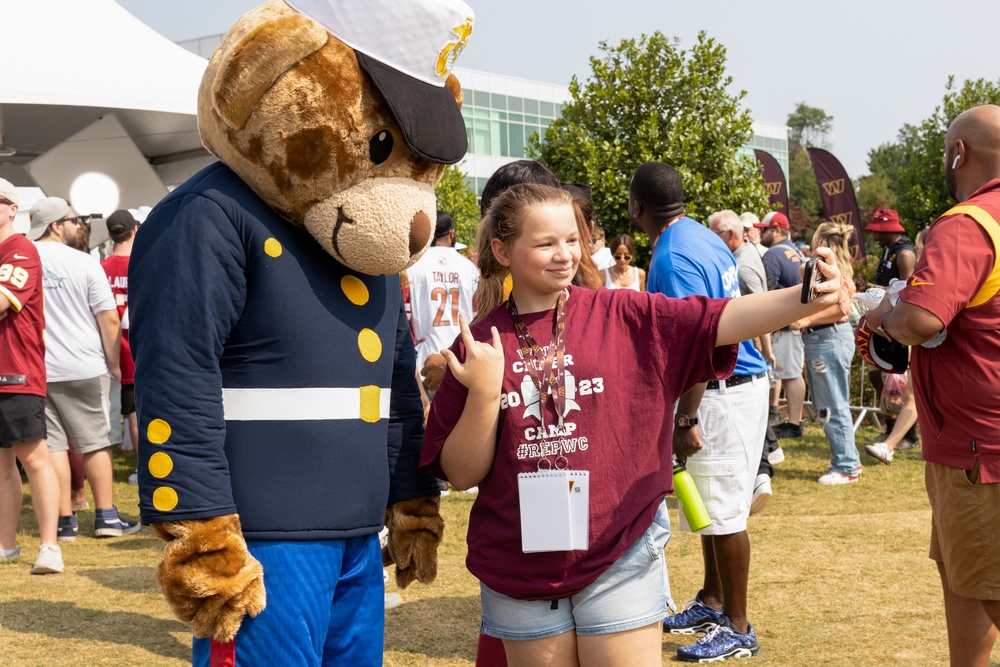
x=252 y=344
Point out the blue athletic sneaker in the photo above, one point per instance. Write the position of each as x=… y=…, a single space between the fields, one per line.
x=721 y=643
x=696 y=616
x=67 y=528
x=107 y=523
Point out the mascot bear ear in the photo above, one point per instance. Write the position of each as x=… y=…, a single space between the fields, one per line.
x=251 y=64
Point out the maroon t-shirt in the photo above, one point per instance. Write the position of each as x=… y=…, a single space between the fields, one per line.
x=21 y=341
x=957 y=383
x=116 y=268
x=629 y=356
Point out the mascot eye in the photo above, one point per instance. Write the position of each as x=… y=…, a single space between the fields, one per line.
x=380 y=147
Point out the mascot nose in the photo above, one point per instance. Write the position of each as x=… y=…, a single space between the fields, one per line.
x=420 y=232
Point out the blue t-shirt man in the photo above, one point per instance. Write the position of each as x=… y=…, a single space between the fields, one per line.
x=781 y=264
x=689 y=259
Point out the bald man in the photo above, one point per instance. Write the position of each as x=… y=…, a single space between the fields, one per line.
x=954 y=287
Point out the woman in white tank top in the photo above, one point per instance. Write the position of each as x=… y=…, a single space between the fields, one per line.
x=621 y=274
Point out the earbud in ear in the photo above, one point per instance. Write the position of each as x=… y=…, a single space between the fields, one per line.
x=954 y=163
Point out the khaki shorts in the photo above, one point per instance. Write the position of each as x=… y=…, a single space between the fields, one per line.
x=964 y=535
x=116 y=433
x=77 y=411
x=789 y=354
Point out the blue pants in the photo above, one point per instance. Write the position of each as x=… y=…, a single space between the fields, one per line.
x=325 y=606
x=828 y=365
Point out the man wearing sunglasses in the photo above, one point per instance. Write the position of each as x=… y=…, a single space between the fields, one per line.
x=82 y=337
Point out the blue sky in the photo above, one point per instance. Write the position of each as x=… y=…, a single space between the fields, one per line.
x=872 y=64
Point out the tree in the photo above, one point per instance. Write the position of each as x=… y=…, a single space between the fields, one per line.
x=455 y=197
x=874 y=192
x=914 y=164
x=808 y=126
x=802 y=186
x=647 y=99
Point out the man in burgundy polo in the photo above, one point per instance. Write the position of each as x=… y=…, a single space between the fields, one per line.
x=956 y=383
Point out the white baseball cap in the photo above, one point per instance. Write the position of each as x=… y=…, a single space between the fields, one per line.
x=408 y=49
x=8 y=191
x=46 y=211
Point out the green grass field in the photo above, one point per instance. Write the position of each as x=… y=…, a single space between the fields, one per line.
x=839 y=576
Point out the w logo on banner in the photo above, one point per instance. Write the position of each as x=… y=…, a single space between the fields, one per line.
x=774 y=180
x=837 y=193
x=834 y=187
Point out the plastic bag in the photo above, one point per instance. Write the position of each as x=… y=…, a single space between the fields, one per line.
x=893 y=388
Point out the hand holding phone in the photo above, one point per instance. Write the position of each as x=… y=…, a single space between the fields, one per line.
x=810 y=278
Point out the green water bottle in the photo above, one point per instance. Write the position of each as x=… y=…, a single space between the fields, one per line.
x=687 y=494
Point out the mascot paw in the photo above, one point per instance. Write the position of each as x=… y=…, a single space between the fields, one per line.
x=208 y=577
x=415 y=531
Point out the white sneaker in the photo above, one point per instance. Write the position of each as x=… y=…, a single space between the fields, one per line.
x=12 y=556
x=393 y=600
x=49 y=560
x=836 y=479
x=133 y=479
x=776 y=457
x=761 y=493
x=471 y=489
x=880 y=452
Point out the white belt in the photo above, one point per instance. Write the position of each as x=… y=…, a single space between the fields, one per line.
x=304 y=404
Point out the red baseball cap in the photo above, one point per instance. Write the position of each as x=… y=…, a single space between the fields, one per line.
x=885 y=220
x=773 y=219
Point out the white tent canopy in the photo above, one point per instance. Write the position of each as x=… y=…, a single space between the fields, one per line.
x=71 y=62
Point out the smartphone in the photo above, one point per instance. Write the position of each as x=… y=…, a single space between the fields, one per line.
x=810 y=278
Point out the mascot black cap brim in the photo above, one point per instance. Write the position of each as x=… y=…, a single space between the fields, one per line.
x=428 y=116
x=889 y=356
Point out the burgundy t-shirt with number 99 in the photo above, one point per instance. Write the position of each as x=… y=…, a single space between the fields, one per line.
x=629 y=356
x=21 y=331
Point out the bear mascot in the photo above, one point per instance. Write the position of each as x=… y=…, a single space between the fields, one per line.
x=279 y=416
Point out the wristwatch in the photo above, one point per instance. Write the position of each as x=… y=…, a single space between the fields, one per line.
x=682 y=420
x=880 y=328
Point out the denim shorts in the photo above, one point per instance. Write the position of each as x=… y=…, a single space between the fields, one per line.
x=633 y=593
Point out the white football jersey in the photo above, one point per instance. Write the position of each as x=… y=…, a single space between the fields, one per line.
x=442 y=283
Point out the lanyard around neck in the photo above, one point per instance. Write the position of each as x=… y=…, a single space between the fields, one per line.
x=551 y=376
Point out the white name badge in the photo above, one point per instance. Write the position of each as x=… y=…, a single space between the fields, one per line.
x=555 y=510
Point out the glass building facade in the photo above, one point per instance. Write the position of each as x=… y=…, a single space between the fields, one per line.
x=501 y=113
x=769 y=138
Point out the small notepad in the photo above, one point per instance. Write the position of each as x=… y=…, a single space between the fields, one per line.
x=555 y=510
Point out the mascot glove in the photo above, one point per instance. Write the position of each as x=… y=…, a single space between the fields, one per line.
x=415 y=531
x=208 y=576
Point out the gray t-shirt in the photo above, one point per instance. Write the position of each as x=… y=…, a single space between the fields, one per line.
x=76 y=289
x=753 y=279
